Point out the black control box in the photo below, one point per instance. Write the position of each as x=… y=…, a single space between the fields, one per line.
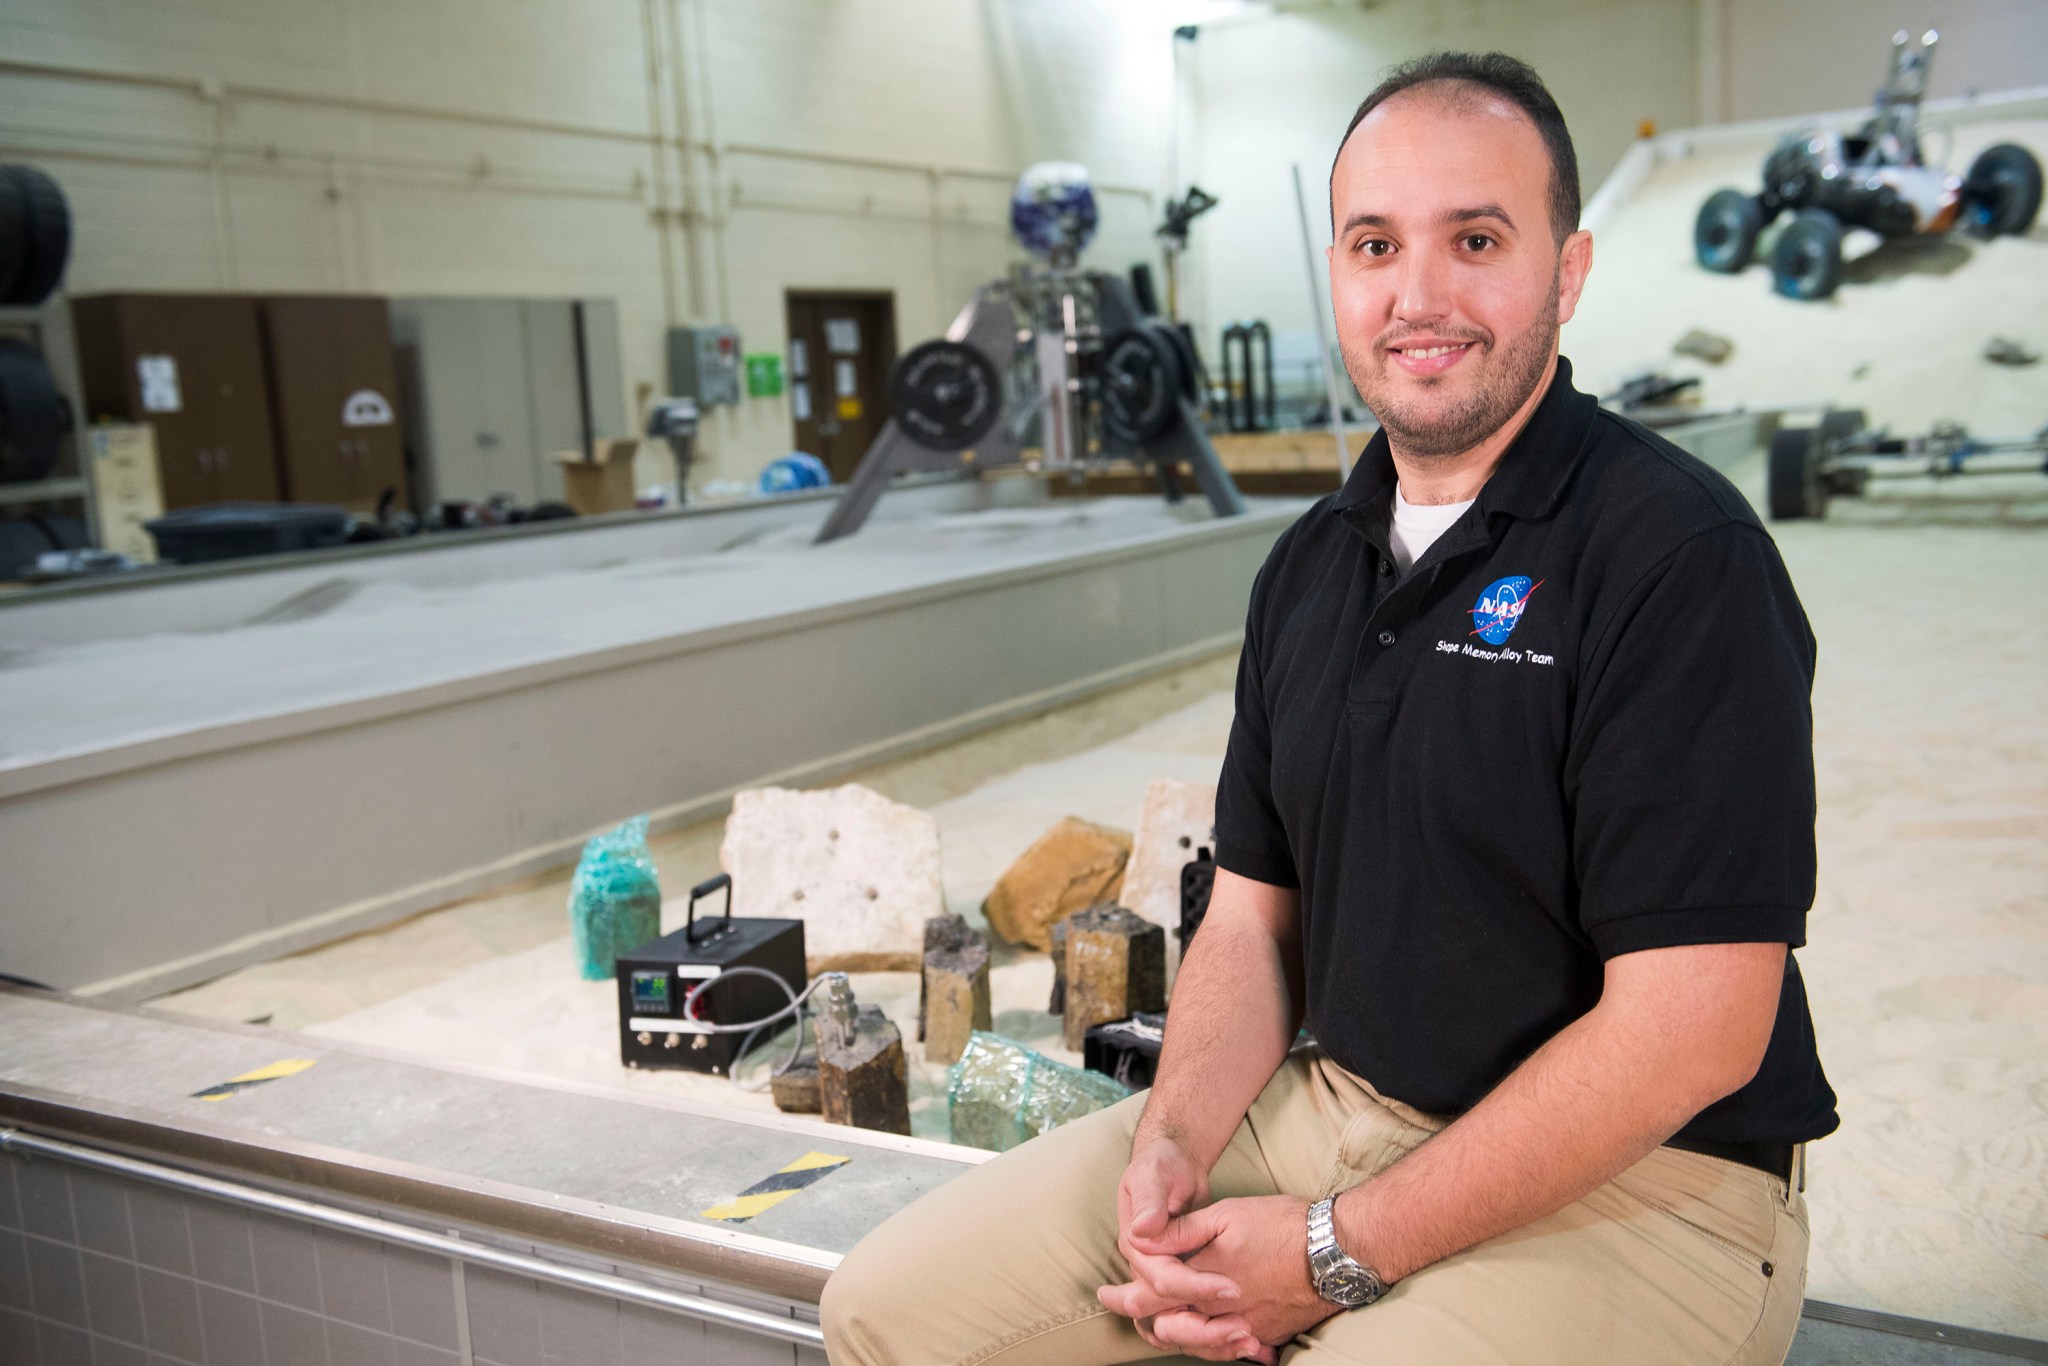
x=656 y=977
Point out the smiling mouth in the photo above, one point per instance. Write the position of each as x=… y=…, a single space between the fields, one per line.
x=1428 y=352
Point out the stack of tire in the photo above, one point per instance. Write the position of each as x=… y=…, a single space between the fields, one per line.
x=35 y=242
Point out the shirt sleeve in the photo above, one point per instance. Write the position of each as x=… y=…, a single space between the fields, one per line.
x=1250 y=839
x=1690 y=772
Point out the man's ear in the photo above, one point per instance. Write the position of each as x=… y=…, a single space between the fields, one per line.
x=1574 y=263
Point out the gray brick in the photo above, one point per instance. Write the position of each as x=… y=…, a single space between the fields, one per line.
x=14 y=1273
x=504 y=1317
x=17 y=1336
x=113 y=1298
x=422 y=1289
x=577 y=1327
x=170 y=1314
x=62 y=1346
x=233 y=1327
x=352 y=1280
x=101 y=1207
x=157 y=1219
x=108 y=1352
x=414 y=1354
x=10 y=1203
x=348 y=1345
x=287 y=1268
x=291 y=1338
x=46 y=1201
x=220 y=1246
x=650 y=1334
x=55 y=1283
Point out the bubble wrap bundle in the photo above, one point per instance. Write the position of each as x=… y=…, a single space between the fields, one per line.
x=1001 y=1093
x=614 y=899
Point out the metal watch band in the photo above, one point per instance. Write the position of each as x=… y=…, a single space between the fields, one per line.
x=1338 y=1278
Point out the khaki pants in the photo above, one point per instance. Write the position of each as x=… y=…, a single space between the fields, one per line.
x=1681 y=1259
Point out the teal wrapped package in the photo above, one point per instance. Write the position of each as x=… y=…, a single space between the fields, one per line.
x=1001 y=1093
x=614 y=899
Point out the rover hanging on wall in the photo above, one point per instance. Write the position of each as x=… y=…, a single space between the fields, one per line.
x=1874 y=177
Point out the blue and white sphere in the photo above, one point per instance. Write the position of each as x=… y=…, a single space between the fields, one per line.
x=792 y=472
x=1053 y=208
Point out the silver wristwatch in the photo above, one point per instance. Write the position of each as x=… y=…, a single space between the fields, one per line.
x=1338 y=1278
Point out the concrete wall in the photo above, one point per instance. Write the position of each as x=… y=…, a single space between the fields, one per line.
x=690 y=158
x=1782 y=60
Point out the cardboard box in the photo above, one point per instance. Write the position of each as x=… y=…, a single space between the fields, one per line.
x=127 y=490
x=602 y=482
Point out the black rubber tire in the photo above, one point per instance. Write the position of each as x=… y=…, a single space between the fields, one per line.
x=1806 y=263
x=1724 y=235
x=13 y=233
x=1796 y=489
x=48 y=222
x=2002 y=192
x=31 y=414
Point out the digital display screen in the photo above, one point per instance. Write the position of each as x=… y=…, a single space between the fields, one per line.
x=650 y=992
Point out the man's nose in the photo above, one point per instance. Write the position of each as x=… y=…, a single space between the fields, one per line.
x=1423 y=287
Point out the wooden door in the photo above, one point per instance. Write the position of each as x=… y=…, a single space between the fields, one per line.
x=842 y=346
x=334 y=391
x=190 y=365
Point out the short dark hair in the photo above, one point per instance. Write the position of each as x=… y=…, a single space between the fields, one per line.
x=1513 y=80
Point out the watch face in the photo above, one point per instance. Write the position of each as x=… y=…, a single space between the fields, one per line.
x=1347 y=1287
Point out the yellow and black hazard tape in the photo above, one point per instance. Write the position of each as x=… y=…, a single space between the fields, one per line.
x=285 y=1067
x=763 y=1196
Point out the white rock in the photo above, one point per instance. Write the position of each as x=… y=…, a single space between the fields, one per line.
x=1176 y=819
x=861 y=872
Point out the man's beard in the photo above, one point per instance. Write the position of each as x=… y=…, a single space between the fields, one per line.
x=1503 y=388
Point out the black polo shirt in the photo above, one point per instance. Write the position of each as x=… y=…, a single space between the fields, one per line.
x=1577 y=728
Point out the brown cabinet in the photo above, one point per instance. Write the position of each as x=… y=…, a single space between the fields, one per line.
x=334 y=398
x=192 y=366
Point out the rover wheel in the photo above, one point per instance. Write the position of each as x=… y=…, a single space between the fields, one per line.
x=1807 y=261
x=1724 y=235
x=2002 y=192
x=1796 y=489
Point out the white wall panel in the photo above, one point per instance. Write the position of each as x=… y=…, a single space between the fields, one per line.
x=535 y=147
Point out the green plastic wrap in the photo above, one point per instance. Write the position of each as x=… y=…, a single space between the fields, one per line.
x=1001 y=1093
x=614 y=899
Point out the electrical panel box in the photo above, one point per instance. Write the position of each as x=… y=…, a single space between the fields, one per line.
x=654 y=1028
x=705 y=363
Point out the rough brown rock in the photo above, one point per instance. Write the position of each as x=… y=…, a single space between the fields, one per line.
x=1116 y=967
x=957 y=993
x=940 y=932
x=862 y=1077
x=1072 y=866
x=1058 y=1004
x=796 y=1091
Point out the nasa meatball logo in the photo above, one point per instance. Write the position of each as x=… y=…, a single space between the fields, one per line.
x=1499 y=608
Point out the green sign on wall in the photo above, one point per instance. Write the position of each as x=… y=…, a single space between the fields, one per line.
x=764 y=375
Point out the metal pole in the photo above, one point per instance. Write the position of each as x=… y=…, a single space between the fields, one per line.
x=1318 y=300
x=383 y=1230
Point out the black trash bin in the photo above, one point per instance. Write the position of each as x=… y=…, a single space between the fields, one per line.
x=231 y=531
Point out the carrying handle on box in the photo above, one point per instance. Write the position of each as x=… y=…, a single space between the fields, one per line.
x=698 y=893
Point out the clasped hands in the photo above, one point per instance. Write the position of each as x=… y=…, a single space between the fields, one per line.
x=1222 y=1281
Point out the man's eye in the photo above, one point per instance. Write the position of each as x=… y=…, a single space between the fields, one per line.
x=1477 y=241
x=1376 y=246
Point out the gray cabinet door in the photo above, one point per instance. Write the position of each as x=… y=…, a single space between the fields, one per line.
x=499 y=385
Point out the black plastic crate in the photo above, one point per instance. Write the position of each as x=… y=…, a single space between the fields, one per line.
x=231 y=531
